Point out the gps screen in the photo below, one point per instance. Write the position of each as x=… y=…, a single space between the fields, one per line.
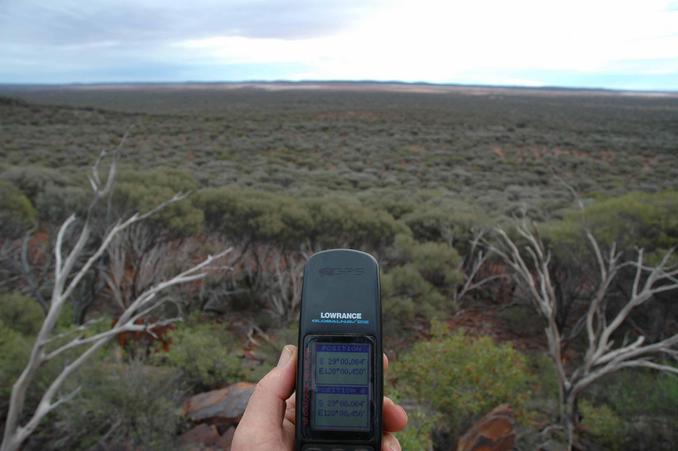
x=342 y=386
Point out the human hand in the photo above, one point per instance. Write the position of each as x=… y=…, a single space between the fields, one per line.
x=268 y=422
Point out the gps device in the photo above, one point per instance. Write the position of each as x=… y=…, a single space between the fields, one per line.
x=340 y=367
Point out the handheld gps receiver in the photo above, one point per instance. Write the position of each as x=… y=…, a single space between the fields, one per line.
x=340 y=367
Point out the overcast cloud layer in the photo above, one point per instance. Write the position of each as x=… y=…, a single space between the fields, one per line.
x=627 y=44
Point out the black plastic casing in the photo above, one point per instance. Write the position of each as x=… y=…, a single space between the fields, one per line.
x=342 y=281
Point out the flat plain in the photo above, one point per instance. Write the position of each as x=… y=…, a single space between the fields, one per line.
x=418 y=175
x=495 y=149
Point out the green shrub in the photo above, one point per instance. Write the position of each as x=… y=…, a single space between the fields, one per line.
x=268 y=351
x=407 y=297
x=639 y=392
x=20 y=320
x=131 y=406
x=397 y=203
x=544 y=377
x=400 y=251
x=418 y=434
x=604 y=425
x=21 y=313
x=14 y=351
x=16 y=342
x=400 y=312
x=59 y=202
x=16 y=211
x=445 y=220
x=405 y=281
x=461 y=377
x=437 y=263
x=635 y=220
x=143 y=190
x=34 y=180
x=338 y=221
x=253 y=215
x=205 y=354
x=521 y=319
x=646 y=402
x=245 y=215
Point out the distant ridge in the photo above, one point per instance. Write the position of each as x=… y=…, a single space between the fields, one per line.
x=345 y=85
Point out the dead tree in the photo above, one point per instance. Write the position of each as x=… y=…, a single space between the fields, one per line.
x=70 y=268
x=605 y=352
x=471 y=266
x=273 y=275
x=135 y=262
x=284 y=283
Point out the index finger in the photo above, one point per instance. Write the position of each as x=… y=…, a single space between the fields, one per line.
x=395 y=417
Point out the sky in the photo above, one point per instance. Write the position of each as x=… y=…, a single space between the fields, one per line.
x=617 y=44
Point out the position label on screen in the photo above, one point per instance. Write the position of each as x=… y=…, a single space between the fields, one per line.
x=342 y=378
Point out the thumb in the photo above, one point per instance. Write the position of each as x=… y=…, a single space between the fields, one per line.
x=266 y=408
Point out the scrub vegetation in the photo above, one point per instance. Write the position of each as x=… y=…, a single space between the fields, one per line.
x=422 y=181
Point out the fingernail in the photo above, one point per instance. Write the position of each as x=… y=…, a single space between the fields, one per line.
x=285 y=355
x=392 y=443
x=395 y=446
x=404 y=412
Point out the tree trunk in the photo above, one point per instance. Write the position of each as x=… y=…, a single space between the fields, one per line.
x=12 y=443
x=569 y=418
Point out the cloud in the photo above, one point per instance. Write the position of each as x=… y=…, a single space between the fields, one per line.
x=62 y=22
x=445 y=41
x=490 y=41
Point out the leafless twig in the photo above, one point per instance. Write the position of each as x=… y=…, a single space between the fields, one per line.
x=66 y=279
x=603 y=355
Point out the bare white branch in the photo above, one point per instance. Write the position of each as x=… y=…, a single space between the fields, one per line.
x=471 y=265
x=603 y=356
x=66 y=279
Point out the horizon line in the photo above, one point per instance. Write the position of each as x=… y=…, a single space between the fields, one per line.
x=339 y=81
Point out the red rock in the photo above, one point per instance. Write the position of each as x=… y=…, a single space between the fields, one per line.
x=201 y=436
x=225 y=440
x=494 y=432
x=224 y=406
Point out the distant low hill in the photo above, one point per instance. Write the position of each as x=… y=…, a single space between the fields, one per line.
x=360 y=86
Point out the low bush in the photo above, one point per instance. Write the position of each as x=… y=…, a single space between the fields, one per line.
x=143 y=190
x=131 y=406
x=20 y=320
x=16 y=211
x=21 y=313
x=418 y=436
x=634 y=220
x=338 y=221
x=642 y=392
x=522 y=321
x=205 y=355
x=268 y=349
x=34 y=180
x=437 y=263
x=408 y=298
x=445 y=220
x=59 y=202
x=644 y=401
x=14 y=351
x=462 y=377
x=604 y=425
x=421 y=422
x=249 y=215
